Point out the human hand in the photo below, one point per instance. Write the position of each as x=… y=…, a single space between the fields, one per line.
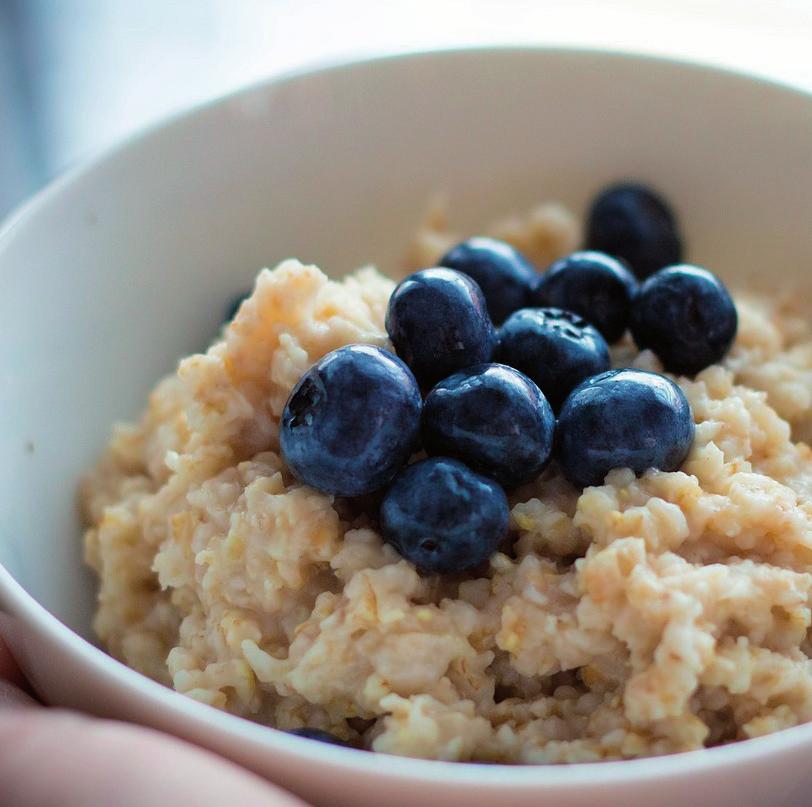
x=57 y=758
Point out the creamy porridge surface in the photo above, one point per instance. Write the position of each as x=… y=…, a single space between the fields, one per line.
x=645 y=616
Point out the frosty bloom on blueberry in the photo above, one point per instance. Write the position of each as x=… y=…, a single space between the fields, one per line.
x=686 y=316
x=493 y=418
x=556 y=348
x=594 y=285
x=351 y=421
x=623 y=419
x=438 y=322
x=443 y=517
x=505 y=276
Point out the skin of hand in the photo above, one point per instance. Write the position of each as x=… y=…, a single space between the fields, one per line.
x=56 y=758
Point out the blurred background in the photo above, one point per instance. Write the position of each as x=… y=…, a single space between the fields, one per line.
x=77 y=75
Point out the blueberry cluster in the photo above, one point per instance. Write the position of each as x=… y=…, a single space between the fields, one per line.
x=481 y=401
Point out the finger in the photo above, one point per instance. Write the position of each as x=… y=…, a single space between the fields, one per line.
x=94 y=763
x=56 y=757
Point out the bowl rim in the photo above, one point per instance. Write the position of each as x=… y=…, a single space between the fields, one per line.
x=202 y=718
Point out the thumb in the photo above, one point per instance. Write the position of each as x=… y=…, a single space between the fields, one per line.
x=54 y=757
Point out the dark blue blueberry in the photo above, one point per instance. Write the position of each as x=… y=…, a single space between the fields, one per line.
x=443 y=517
x=234 y=305
x=505 y=276
x=632 y=222
x=594 y=285
x=438 y=322
x=317 y=734
x=557 y=349
x=494 y=419
x=686 y=316
x=623 y=419
x=351 y=421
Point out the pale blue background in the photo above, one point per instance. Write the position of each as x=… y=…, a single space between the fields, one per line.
x=76 y=75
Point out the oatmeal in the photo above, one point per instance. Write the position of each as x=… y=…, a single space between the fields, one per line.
x=642 y=616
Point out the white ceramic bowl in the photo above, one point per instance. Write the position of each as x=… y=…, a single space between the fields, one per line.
x=116 y=270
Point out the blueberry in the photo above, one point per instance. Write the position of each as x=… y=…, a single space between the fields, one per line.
x=317 y=734
x=438 y=322
x=623 y=419
x=686 y=316
x=444 y=517
x=594 y=285
x=234 y=305
x=557 y=349
x=494 y=419
x=632 y=222
x=505 y=276
x=351 y=421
